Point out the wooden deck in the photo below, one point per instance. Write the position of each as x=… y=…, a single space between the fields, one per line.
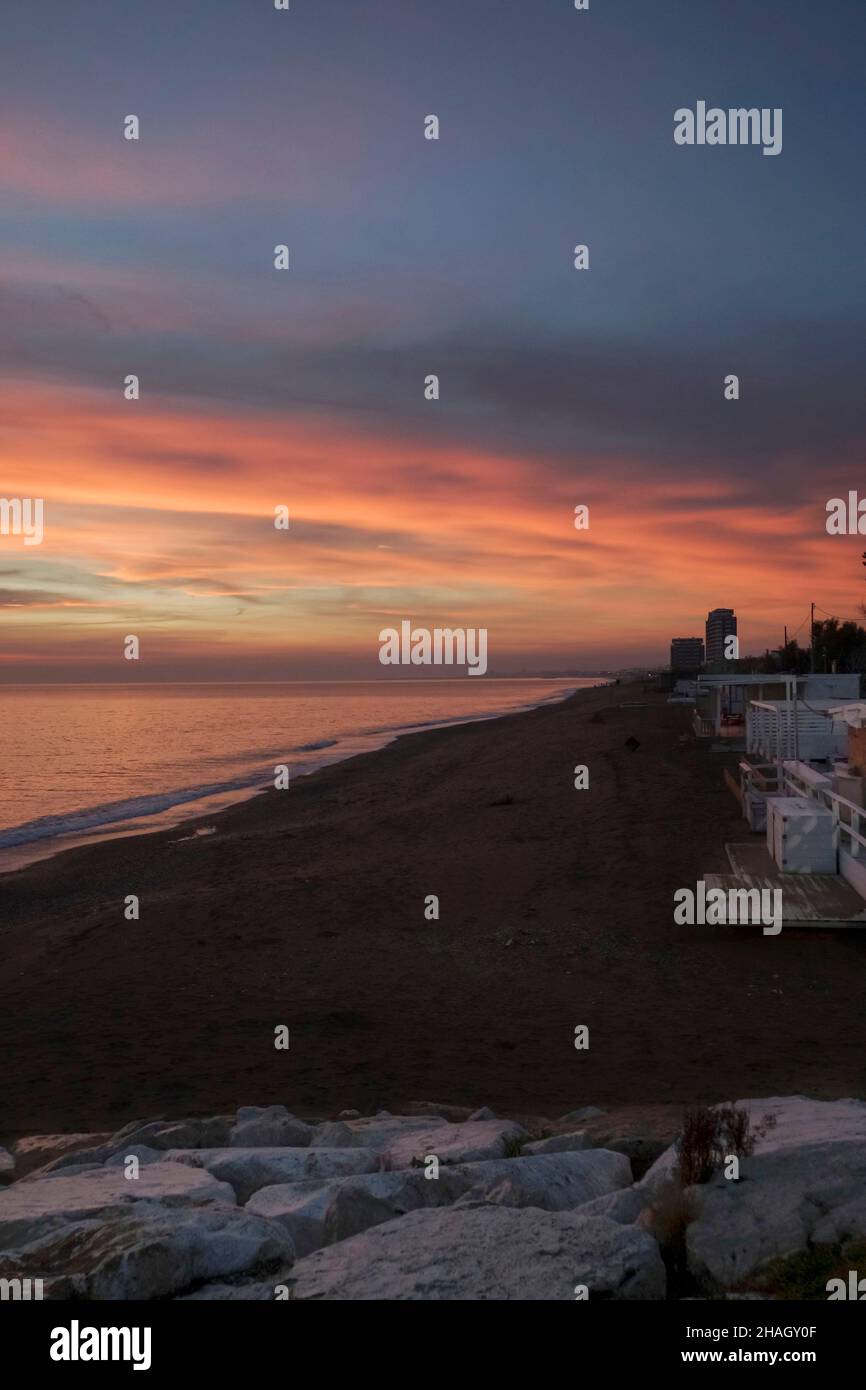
x=808 y=900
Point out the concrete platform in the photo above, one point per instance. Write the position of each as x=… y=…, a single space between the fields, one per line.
x=808 y=900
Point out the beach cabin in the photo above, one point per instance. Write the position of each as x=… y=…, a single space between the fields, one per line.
x=722 y=702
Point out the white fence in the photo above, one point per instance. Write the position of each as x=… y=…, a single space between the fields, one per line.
x=771 y=732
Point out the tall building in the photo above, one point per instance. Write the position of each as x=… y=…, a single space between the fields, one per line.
x=687 y=653
x=721 y=623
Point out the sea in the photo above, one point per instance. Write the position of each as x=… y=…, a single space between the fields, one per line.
x=81 y=763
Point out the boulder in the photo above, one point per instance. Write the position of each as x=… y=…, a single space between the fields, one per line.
x=488 y=1252
x=377 y=1132
x=321 y=1214
x=29 y=1209
x=483 y=1114
x=177 y=1134
x=270 y=1128
x=576 y=1117
x=148 y=1250
x=7 y=1166
x=558 y=1144
x=37 y=1150
x=154 y=1134
x=464 y=1143
x=804 y=1184
x=248 y=1170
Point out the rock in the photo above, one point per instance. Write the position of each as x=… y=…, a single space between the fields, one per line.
x=118 y=1160
x=7 y=1166
x=273 y=1128
x=178 y=1134
x=576 y=1117
x=301 y=1208
x=248 y=1170
x=240 y=1290
x=373 y=1133
x=804 y=1184
x=149 y=1250
x=36 y=1150
x=485 y=1253
x=456 y=1114
x=154 y=1134
x=464 y=1143
x=320 y=1214
x=482 y=1114
x=625 y=1206
x=558 y=1144
x=29 y=1209
x=349 y=1115
x=334 y=1134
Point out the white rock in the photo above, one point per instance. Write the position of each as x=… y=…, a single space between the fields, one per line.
x=805 y=1170
x=29 y=1209
x=558 y=1144
x=7 y=1166
x=485 y=1253
x=463 y=1143
x=271 y=1128
x=150 y=1250
x=248 y=1170
x=376 y=1132
x=319 y=1214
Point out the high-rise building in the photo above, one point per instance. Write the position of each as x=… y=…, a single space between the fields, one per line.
x=687 y=653
x=721 y=623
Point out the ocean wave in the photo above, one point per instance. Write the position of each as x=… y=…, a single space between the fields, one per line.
x=109 y=812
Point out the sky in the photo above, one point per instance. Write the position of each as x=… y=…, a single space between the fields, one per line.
x=304 y=388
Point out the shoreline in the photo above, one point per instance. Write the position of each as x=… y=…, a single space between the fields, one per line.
x=184 y=809
x=306 y=909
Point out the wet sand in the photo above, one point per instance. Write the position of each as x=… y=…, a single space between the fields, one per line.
x=306 y=908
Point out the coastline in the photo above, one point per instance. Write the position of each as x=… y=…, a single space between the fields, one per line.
x=306 y=908
x=147 y=814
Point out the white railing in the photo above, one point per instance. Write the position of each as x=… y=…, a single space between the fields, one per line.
x=847 y=815
x=771 y=732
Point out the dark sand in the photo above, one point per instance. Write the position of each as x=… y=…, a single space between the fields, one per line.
x=306 y=908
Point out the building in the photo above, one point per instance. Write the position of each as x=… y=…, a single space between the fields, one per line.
x=721 y=623
x=687 y=653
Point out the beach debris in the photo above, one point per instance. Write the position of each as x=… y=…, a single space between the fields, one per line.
x=632 y=744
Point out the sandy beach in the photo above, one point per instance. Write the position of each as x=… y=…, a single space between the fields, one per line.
x=306 y=908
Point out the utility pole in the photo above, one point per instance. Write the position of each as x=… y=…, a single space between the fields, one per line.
x=812 y=643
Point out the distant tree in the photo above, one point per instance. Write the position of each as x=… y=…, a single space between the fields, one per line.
x=841 y=643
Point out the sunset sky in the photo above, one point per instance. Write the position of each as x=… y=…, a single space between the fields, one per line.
x=410 y=257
